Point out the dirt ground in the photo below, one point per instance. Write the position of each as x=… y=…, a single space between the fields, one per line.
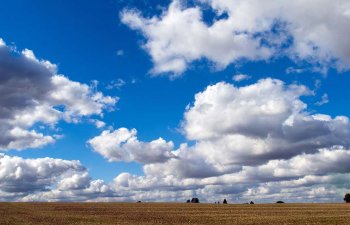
x=171 y=213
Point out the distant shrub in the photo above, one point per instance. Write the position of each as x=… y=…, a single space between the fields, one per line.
x=347 y=198
x=251 y=202
x=280 y=202
x=188 y=201
x=224 y=202
x=195 y=200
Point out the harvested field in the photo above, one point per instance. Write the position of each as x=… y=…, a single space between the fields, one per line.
x=171 y=213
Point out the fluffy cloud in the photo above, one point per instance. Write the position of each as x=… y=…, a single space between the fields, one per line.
x=253 y=110
x=31 y=93
x=27 y=175
x=253 y=142
x=47 y=179
x=322 y=176
x=324 y=162
x=241 y=29
x=79 y=99
x=264 y=146
x=262 y=121
x=123 y=145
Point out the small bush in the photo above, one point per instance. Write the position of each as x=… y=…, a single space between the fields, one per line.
x=195 y=200
x=347 y=198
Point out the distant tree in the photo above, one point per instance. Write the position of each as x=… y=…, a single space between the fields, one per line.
x=280 y=202
x=195 y=200
x=188 y=201
x=251 y=202
x=224 y=202
x=347 y=198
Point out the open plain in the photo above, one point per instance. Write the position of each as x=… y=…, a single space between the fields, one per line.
x=171 y=213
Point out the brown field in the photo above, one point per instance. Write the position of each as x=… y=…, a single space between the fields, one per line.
x=171 y=213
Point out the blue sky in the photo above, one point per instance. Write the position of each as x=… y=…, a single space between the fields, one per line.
x=152 y=58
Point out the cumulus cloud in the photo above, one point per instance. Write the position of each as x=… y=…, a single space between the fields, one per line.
x=78 y=99
x=252 y=142
x=240 y=29
x=258 y=122
x=325 y=161
x=263 y=145
x=313 y=177
x=321 y=176
x=48 y=179
x=123 y=145
x=28 y=175
x=32 y=92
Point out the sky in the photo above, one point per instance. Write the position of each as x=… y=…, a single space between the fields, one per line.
x=154 y=100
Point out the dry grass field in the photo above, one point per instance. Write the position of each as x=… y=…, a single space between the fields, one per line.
x=171 y=213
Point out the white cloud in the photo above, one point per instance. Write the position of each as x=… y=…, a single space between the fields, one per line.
x=261 y=133
x=323 y=176
x=75 y=181
x=302 y=178
x=249 y=125
x=323 y=162
x=290 y=70
x=99 y=123
x=252 y=30
x=324 y=100
x=31 y=92
x=79 y=99
x=27 y=139
x=240 y=77
x=262 y=145
x=27 y=175
x=116 y=84
x=180 y=36
x=123 y=145
x=254 y=110
x=48 y=179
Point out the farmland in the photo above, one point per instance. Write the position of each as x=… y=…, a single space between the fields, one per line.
x=171 y=213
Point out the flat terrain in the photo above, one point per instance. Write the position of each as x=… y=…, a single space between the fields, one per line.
x=171 y=213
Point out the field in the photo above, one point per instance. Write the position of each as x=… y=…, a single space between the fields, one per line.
x=171 y=213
